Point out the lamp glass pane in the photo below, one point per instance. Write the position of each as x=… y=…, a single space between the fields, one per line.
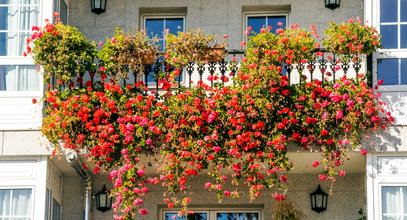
x=319 y=200
x=103 y=200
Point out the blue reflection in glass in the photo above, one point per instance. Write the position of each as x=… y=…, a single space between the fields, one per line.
x=387 y=70
x=403 y=11
x=256 y=23
x=3 y=44
x=403 y=35
x=272 y=21
x=388 y=11
x=237 y=216
x=403 y=71
x=155 y=27
x=174 y=25
x=389 y=36
x=195 y=216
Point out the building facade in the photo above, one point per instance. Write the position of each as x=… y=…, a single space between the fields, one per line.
x=35 y=186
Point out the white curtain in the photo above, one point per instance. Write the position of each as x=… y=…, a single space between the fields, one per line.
x=394 y=202
x=16 y=202
x=19 y=78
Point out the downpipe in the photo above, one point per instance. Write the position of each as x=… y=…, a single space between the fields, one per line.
x=76 y=164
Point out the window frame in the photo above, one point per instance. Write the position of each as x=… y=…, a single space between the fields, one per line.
x=372 y=13
x=246 y=16
x=211 y=212
x=30 y=187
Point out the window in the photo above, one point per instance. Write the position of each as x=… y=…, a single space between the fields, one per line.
x=394 y=202
x=157 y=26
x=15 y=204
x=392 y=64
x=215 y=215
x=16 y=19
x=263 y=21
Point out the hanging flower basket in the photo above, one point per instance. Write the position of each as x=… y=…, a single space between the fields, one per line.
x=213 y=54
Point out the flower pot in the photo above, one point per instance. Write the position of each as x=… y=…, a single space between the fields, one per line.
x=148 y=59
x=212 y=54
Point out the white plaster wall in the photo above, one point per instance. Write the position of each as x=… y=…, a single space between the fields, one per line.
x=213 y=16
x=347 y=198
x=19 y=143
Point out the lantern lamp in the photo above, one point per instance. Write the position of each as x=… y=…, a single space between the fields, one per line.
x=98 y=6
x=332 y=4
x=319 y=200
x=103 y=201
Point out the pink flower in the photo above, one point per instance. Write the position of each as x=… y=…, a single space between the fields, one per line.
x=323 y=177
x=315 y=163
x=280 y=24
x=208 y=185
x=243 y=43
x=363 y=152
x=102 y=68
x=226 y=193
x=339 y=114
x=379 y=82
x=138 y=201
x=140 y=172
x=342 y=173
x=113 y=40
x=142 y=211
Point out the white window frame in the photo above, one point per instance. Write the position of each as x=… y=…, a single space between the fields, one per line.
x=372 y=15
x=211 y=212
x=31 y=187
x=246 y=16
x=45 y=12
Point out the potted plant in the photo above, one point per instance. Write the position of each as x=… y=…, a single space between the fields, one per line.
x=193 y=45
x=285 y=210
x=62 y=51
x=127 y=52
x=351 y=38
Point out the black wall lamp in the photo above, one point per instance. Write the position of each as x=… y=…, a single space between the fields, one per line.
x=319 y=200
x=98 y=6
x=332 y=4
x=103 y=201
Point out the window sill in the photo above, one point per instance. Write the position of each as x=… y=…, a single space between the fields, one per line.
x=392 y=88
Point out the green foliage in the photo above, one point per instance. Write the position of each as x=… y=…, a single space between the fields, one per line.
x=63 y=51
x=127 y=51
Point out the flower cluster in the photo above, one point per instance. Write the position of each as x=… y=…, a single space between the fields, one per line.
x=238 y=134
x=352 y=38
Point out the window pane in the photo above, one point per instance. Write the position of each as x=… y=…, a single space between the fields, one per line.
x=256 y=23
x=403 y=73
x=30 y=2
x=392 y=199
x=388 y=11
x=273 y=20
x=56 y=210
x=9 y=18
x=21 y=202
x=9 y=1
x=19 y=78
x=174 y=25
x=28 y=17
x=4 y=202
x=155 y=27
x=389 y=33
x=195 y=216
x=403 y=35
x=387 y=70
x=237 y=216
x=403 y=12
x=8 y=42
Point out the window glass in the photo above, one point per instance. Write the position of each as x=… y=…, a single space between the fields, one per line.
x=403 y=13
x=389 y=36
x=237 y=216
x=394 y=202
x=15 y=204
x=156 y=27
x=387 y=11
x=195 y=216
x=387 y=70
x=403 y=35
x=258 y=22
x=19 y=78
x=56 y=210
x=403 y=71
